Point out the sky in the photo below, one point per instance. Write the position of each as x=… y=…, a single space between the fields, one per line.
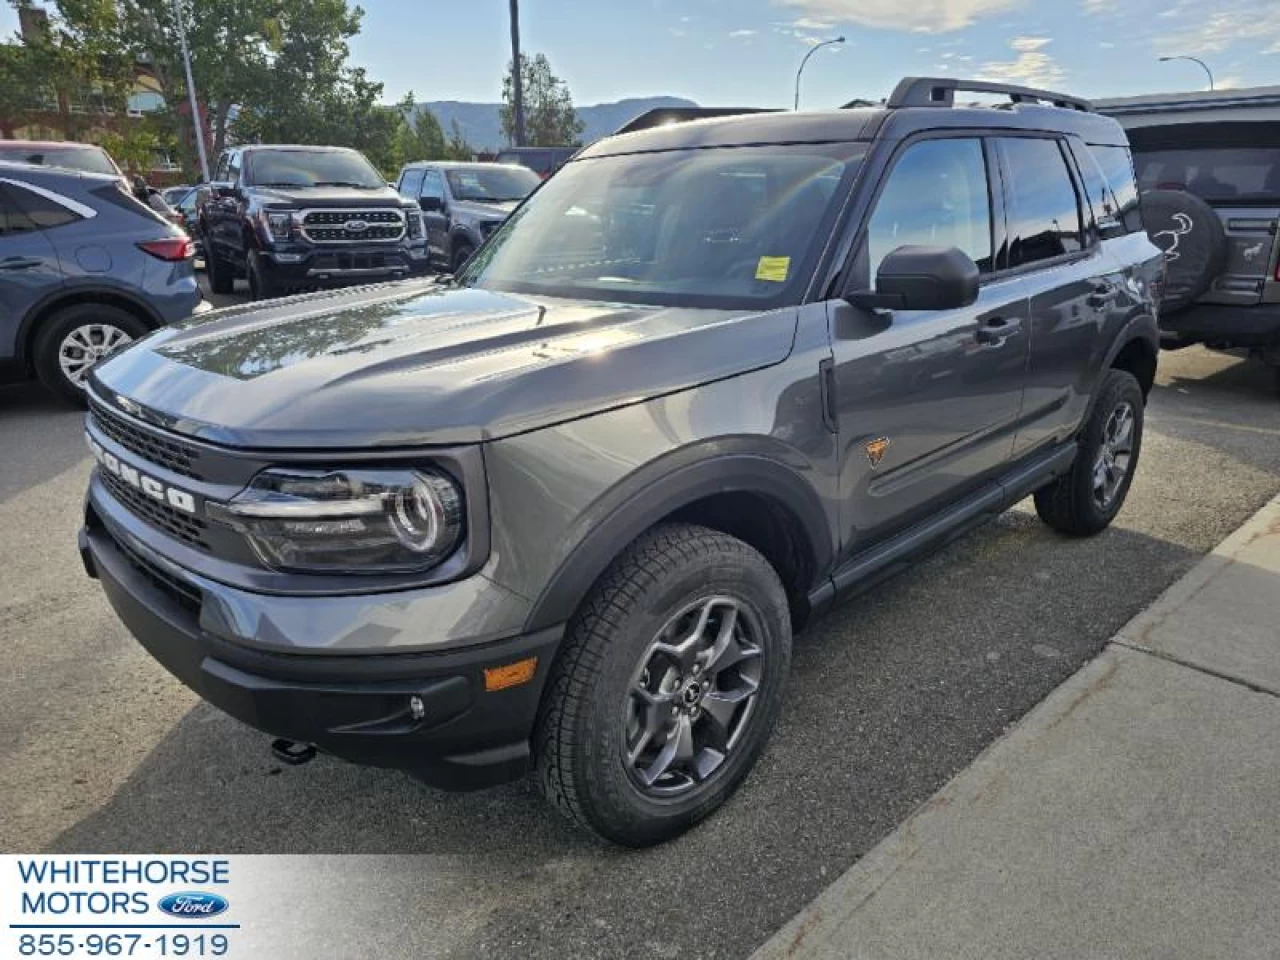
x=745 y=52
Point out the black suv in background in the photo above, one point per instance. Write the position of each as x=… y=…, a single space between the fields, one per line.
x=544 y=161
x=566 y=511
x=462 y=203
x=292 y=217
x=1208 y=167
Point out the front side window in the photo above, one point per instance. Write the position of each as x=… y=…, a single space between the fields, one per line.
x=728 y=228
x=312 y=168
x=411 y=184
x=1043 y=210
x=936 y=195
x=433 y=185
x=491 y=184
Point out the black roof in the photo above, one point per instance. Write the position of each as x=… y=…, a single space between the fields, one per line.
x=918 y=103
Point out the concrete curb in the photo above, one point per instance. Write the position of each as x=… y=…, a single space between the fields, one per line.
x=843 y=920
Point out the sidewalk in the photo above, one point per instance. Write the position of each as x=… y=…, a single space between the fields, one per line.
x=1134 y=814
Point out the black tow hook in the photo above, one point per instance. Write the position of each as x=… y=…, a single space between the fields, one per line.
x=292 y=752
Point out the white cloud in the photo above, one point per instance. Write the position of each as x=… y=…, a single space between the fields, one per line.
x=809 y=23
x=1107 y=45
x=1228 y=83
x=1032 y=67
x=1213 y=30
x=921 y=16
x=742 y=33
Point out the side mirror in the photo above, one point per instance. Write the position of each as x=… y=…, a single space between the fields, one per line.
x=430 y=204
x=922 y=278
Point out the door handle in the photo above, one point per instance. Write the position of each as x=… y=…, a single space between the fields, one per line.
x=19 y=263
x=996 y=329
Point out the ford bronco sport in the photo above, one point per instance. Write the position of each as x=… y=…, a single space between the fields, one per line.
x=566 y=510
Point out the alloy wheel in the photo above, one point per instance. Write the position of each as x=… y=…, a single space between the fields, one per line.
x=1111 y=465
x=692 y=696
x=86 y=345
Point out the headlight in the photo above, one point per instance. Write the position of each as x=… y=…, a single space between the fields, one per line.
x=354 y=521
x=413 y=220
x=276 y=224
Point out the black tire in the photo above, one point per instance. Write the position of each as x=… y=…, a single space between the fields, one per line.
x=261 y=284
x=222 y=277
x=461 y=254
x=1072 y=504
x=1194 y=242
x=52 y=338
x=581 y=738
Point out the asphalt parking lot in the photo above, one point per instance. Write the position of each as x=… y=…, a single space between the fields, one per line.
x=100 y=750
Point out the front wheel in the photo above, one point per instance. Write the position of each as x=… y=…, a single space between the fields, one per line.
x=461 y=254
x=1087 y=499
x=667 y=686
x=261 y=284
x=75 y=338
x=222 y=276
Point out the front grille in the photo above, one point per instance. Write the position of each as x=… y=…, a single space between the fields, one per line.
x=183 y=594
x=173 y=455
x=353 y=261
x=182 y=526
x=334 y=226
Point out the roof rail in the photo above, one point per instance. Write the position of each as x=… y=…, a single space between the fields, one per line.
x=662 y=116
x=941 y=92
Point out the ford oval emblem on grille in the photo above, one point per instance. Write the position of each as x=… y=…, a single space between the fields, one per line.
x=194 y=905
x=356 y=226
x=128 y=406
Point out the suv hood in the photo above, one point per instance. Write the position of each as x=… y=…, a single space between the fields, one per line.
x=305 y=197
x=413 y=363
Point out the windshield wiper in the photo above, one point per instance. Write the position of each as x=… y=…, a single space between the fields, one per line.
x=345 y=183
x=291 y=186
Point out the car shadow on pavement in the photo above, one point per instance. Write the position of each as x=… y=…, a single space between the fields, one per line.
x=40 y=437
x=889 y=696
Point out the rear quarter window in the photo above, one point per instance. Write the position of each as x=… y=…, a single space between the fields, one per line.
x=1117 y=167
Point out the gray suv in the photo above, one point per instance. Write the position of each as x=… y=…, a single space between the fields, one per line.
x=565 y=511
x=84 y=269
x=462 y=203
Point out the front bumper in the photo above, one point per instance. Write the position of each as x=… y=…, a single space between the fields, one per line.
x=296 y=265
x=354 y=707
x=1225 y=326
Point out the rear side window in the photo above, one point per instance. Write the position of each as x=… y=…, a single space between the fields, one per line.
x=12 y=220
x=936 y=195
x=1043 y=209
x=41 y=211
x=1117 y=167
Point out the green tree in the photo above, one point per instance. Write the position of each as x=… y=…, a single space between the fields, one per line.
x=549 y=117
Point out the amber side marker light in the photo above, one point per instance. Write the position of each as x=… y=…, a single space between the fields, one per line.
x=511 y=675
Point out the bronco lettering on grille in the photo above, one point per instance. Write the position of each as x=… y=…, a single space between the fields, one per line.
x=153 y=488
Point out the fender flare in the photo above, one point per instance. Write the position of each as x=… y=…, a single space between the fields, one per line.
x=74 y=294
x=656 y=491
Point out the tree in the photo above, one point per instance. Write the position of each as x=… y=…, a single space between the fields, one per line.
x=550 y=119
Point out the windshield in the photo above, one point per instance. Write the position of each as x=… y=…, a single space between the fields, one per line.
x=729 y=228
x=491 y=184
x=86 y=159
x=311 y=168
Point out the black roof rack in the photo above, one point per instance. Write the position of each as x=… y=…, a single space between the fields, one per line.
x=661 y=116
x=941 y=92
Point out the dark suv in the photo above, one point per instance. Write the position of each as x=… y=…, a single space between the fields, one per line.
x=462 y=203
x=84 y=269
x=289 y=217
x=1208 y=168
x=567 y=510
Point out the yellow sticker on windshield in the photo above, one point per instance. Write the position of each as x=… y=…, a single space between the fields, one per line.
x=773 y=269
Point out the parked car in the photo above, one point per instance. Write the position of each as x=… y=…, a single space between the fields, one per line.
x=463 y=203
x=84 y=270
x=1208 y=168
x=290 y=217
x=86 y=157
x=187 y=206
x=566 y=511
x=544 y=161
x=173 y=195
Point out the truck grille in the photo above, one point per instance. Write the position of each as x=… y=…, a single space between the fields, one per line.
x=352 y=226
x=181 y=526
x=173 y=455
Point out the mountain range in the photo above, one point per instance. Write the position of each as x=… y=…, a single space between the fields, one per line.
x=480 y=125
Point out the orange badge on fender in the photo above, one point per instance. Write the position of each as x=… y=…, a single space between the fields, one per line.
x=876 y=449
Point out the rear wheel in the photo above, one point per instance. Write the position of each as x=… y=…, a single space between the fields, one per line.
x=75 y=338
x=222 y=278
x=667 y=687
x=461 y=254
x=1087 y=499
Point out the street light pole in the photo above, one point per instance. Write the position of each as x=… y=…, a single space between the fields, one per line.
x=196 y=120
x=1203 y=66
x=805 y=62
x=517 y=77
